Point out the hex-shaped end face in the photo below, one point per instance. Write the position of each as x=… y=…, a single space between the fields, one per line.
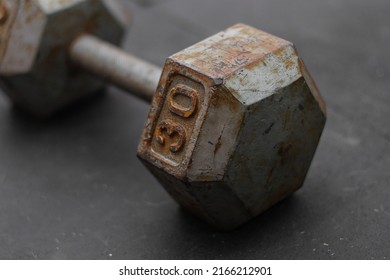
x=234 y=125
x=34 y=67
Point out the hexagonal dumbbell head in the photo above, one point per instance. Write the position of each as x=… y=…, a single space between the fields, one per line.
x=34 y=67
x=233 y=126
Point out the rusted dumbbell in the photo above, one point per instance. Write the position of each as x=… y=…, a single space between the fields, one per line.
x=38 y=42
x=234 y=122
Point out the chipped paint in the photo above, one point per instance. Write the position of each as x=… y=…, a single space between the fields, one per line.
x=226 y=52
x=261 y=79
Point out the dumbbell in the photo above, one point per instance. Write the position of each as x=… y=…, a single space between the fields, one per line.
x=234 y=120
x=37 y=47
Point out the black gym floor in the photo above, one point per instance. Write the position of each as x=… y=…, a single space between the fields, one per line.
x=72 y=188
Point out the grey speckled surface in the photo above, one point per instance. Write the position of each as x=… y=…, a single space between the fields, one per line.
x=72 y=188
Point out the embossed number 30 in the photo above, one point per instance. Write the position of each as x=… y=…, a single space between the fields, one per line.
x=170 y=128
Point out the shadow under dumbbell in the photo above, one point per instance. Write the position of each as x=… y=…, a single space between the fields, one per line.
x=84 y=107
x=253 y=240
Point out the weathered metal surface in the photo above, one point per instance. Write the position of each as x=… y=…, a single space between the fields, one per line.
x=248 y=139
x=114 y=65
x=35 y=69
x=20 y=37
x=3 y=13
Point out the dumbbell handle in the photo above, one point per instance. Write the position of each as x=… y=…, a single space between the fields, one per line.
x=116 y=66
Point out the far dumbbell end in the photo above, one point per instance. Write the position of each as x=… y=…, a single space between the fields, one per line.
x=35 y=36
x=233 y=126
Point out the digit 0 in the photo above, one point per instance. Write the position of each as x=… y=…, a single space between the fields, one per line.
x=178 y=109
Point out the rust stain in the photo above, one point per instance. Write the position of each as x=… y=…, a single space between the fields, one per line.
x=275 y=70
x=224 y=56
x=286 y=115
x=268 y=129
x=285 y=152
x=28 y=5
x=3 y=13
x=31 y=17
x=6 y=28
x=288 y=61
x=269 y=177
x=92 y=24
x=313 y=86
x=219 y=142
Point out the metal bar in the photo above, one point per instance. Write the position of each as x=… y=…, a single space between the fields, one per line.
x=124 y=70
